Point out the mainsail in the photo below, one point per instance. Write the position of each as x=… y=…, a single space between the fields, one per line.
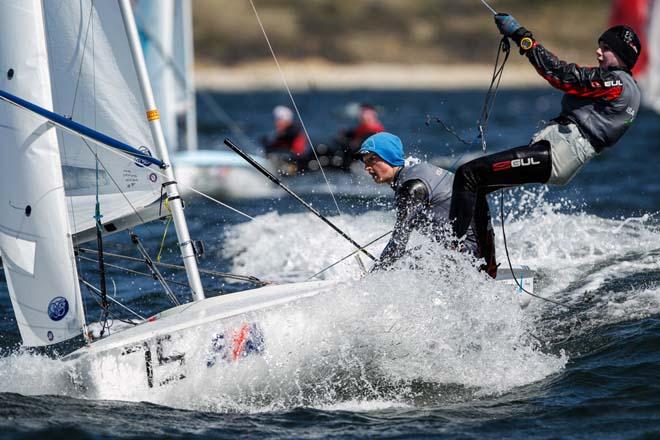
x=644 y=17
x=94 y=82
x=36 y=248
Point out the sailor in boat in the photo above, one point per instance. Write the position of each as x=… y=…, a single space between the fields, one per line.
x=598 y=106
x=423 y=195
x=288 y=147
x=352 y=138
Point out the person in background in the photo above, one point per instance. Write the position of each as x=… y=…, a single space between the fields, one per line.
x=289 y=144
x=351 y=139
x=599 y=105
x=423 y=194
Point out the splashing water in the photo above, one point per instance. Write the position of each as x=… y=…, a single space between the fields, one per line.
x=437 y=333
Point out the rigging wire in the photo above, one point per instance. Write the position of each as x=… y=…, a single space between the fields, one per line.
x=277 y=181
x=246 y=278
x=489 y=7
x=293 y=101
x=350 y=255
x=153 y=269
x=96 y=291
x=131 y=271
x=206 y=98
x=219 y=112
x=97 y=211
x=162 y=174
x=109 y=174
x=506 y=248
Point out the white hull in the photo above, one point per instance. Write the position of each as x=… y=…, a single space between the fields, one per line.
x=201 y=342
x=191 y=341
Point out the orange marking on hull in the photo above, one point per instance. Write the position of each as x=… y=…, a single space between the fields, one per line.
x=239 y=341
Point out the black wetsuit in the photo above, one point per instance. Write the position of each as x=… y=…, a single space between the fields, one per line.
x=600 y=103
x=423 y=194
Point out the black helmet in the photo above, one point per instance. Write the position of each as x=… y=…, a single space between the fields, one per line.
x=624 y=42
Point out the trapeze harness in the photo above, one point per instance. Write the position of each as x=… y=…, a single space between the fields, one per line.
x=597 y=108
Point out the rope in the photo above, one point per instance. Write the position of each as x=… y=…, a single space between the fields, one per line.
x=506 y=248
x=293 y=101
x=97 y=292
x=489 y=99
x=167 y=226
x=217 y=111
x=491 y=94
x=349 y=255
x=99 y=245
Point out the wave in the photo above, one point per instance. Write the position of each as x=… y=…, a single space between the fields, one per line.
x=431 y=331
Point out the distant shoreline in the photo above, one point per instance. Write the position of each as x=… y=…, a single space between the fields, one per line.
x=318 y=75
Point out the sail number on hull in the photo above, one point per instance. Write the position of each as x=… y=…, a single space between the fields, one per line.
x=164 y=365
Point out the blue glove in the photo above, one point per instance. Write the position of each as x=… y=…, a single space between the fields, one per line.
x=506 y=24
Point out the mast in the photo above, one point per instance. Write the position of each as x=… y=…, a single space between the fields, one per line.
x=175 y=201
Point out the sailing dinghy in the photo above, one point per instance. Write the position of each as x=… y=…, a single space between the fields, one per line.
x=83 y=157
x=79 y=177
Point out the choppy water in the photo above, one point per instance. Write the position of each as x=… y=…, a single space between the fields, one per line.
x=438 y=351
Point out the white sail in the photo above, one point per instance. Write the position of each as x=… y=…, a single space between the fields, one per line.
x=94 y=82
x=166 y=34
x=35 y=244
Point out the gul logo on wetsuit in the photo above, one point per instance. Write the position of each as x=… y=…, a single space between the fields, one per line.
x=231 y=345
x=515 y=163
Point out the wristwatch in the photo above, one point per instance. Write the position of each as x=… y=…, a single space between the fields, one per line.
x=526 y=43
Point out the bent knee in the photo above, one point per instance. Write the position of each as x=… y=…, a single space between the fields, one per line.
x=465 y=178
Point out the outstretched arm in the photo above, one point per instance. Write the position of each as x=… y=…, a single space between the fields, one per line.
x=412 y=198
x=586 y=82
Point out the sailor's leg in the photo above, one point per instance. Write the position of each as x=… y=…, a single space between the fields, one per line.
x=483 y=229
x=517 y=166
